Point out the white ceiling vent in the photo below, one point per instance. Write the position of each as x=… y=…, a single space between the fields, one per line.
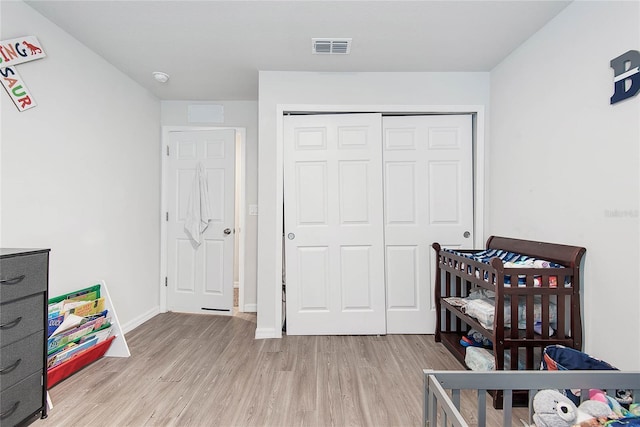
x=331 y=46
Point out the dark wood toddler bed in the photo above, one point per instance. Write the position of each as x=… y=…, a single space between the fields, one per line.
x=540 y=293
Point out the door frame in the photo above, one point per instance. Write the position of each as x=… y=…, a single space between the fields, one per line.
x=478 y=141
x=239 y=184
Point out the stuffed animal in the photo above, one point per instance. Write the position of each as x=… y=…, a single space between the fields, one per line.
x=553 y=409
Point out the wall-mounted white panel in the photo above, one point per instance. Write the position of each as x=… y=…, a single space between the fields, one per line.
x=444 y=192
x=400 y=192
x=205 y=113
x=354 y=192
x=310 y=139
x=214 y=267
x=444 y=138
x=313 y=291
x=185 y=266
x=402 y=277
x=351 y=137
x=311 y=193
x=355 y=266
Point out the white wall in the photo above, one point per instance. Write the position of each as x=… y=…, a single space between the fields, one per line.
x=81 y=171
x=360 y=90
x=565 y=162
x=236 y=114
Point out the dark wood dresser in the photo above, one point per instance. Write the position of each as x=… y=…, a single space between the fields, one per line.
x=24 y=277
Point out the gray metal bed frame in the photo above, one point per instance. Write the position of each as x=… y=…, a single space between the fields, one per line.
x=442 y=390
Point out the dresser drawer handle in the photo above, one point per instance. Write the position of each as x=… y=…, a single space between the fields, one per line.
x=11 y=367
x=11 y=324
x=7 y=413
x=13 y=281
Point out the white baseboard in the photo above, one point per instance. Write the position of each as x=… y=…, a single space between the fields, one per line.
x=132 y=324
x=264 y=333
x=250 y=308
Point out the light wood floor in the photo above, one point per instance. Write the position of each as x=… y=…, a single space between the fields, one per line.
x=200 y=370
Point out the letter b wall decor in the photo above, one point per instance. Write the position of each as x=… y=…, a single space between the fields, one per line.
x=626 y=67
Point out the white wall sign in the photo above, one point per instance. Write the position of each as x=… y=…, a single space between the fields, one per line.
x=14 y=52
x=17 y=51
x=16 y=88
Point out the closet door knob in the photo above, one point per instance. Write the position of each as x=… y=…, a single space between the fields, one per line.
x=466 y=234
x=291 y=236
x=227 y=231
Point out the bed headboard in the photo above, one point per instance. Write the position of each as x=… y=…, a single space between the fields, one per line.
x=569 y=256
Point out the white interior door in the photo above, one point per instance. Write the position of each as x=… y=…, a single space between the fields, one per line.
x=428 y=193
x=200 y=277
x=334 y=224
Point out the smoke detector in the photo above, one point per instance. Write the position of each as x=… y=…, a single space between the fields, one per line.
x=160 y=77
x=331 y=46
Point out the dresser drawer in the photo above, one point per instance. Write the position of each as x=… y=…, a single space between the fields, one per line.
x=21 y=359
x=21 y=318
x=21 y=400
x=23 y=275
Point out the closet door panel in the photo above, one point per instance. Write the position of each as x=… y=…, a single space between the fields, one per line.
x=445 y=198
x=355 y=265
x=334 y=247
x=400 y=193
x=311 y=193
x=313 y=269
x=402 y=271
x=428 y=197
x=354 y=187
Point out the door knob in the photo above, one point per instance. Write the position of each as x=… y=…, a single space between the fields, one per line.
x=291 y=236
x=227 y=231
x=466 y=234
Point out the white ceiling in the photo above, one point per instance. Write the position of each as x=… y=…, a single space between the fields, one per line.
x=213 y=50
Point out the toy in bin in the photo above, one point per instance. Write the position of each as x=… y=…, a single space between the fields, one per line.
x=553 y=409
x=475 y=339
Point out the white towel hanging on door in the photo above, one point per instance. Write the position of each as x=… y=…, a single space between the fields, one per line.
x=198 y=208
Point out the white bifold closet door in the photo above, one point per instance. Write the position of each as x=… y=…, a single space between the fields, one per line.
x=358 y=227
x=333 y=224
x=428 y=193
